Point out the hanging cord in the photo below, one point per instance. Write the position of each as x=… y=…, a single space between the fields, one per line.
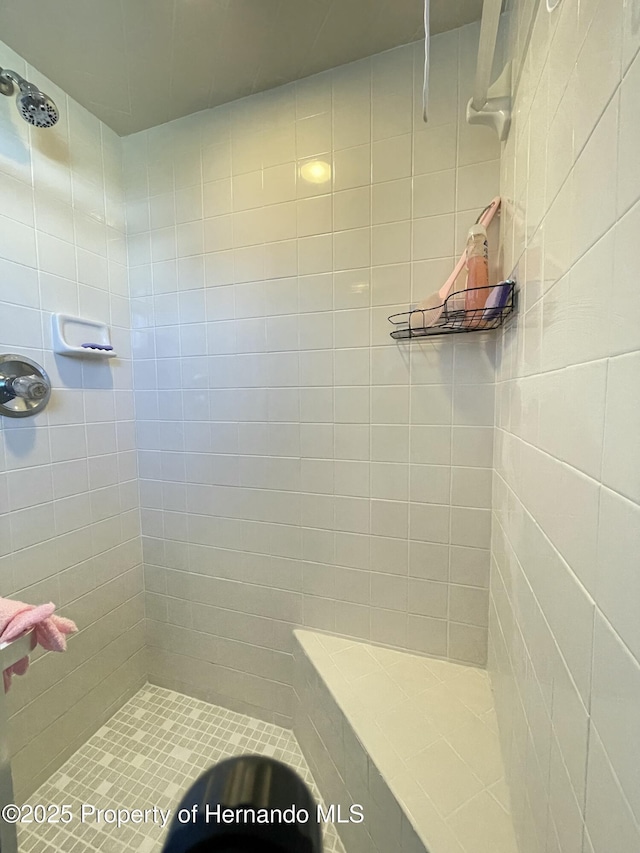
x=427 y=59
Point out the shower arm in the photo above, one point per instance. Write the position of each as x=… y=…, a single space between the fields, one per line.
x=10 y=79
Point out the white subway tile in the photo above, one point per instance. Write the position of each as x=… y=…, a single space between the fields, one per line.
x=606 y=805
x=619 y=466
x=616 y=684
x=391 y=158
x=616 y=580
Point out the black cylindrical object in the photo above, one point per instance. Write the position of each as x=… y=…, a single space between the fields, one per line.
x=249 y=804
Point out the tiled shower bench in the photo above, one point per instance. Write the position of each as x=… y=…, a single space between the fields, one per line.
x=412 y=739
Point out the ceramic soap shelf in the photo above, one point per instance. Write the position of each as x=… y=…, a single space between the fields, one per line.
x=78 y=337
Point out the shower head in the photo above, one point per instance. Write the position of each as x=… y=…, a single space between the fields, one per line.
x=37 y=108
x=33 y=105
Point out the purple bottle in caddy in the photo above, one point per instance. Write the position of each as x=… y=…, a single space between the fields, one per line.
x=497 y=300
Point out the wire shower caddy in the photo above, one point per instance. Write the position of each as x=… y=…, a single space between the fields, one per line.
x=452 y=317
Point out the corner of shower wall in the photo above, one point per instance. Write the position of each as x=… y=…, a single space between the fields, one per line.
x=69 y=508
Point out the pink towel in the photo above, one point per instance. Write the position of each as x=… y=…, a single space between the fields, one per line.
x=16 y=618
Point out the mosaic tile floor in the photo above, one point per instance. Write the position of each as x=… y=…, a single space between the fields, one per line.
x=147 y=755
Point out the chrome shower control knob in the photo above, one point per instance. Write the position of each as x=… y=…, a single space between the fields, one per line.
x=29 y=387
x=24 y=387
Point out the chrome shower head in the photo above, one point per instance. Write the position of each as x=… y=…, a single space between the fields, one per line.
x=37 y=108
x=33 y=105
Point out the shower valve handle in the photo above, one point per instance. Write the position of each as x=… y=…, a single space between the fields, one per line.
x=27 y=387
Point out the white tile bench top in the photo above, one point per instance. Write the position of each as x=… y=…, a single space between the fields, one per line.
x=429 y=726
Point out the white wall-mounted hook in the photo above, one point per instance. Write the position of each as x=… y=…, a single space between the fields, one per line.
x=496 y=112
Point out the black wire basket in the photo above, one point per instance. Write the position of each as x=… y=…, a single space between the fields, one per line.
x=453 y=317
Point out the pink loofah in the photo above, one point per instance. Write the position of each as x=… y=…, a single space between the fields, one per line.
x=16 y=618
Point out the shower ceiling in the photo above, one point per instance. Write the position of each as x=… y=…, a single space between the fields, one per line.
x=139 y=63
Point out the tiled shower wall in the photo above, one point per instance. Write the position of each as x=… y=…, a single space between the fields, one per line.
x=565 y=584
x=297 y=467
x=69 y=523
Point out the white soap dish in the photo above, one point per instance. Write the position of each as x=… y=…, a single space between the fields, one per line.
x=80 y=338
